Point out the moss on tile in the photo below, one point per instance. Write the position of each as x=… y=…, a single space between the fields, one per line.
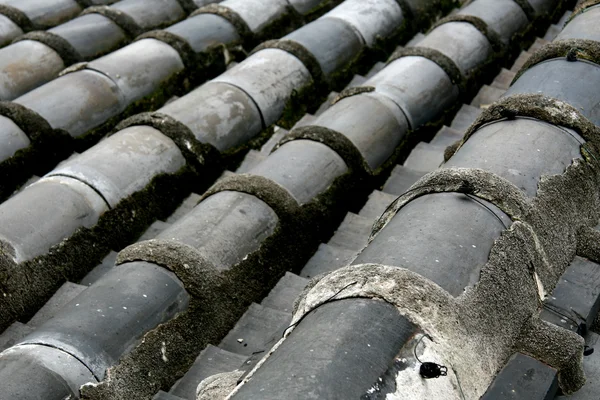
x=188 y=5
x=57 y=43
x=443 y=61
x=298 y=51
x=582 y=7
x=298 y=103
x=18 y=17
x=28 y=285
x=571 y=49
x=47 y=146
x=286 y=23
x=492 y=37
x=540 y=107
x=198 y=155
x=234 y=18
x=479 y=330
x=335 y=141
x=321 y=8
x=527 y=9
x=121 y=19
x=222 y=299
x=352 y=91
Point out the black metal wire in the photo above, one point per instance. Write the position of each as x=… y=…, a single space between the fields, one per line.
x=323 y=303
x=465 y=187
x=417 y=345
x=475 y=199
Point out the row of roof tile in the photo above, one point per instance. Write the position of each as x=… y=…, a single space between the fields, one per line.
x=104 y=197
x=187 y=287
x=73 y=111
x=19 y=16
x=435 y=229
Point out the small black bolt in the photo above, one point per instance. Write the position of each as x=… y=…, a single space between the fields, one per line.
x=429 y=370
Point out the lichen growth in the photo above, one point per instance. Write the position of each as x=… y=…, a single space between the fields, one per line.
x=574 y=48
x=28 y=285
x=539 y=107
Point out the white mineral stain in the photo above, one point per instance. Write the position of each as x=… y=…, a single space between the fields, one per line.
x=163 y=351
x=410 y=384
x=540 y=286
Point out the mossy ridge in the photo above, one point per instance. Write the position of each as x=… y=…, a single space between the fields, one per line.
x=121 y=19
x=46 y=146
x=209 y=64
x=289 y=247
x=573 y=49
x=30 y=284
x=18 y=17
x=582 y=7
x=535 y=250
x=322 y=8
x=542 y=108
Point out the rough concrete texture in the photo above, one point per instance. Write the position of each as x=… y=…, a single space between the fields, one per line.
x=450 y=150
x=479 y=330
x=189 y=331
x=217 y=387
x=74 y=68
x=587 y=243
x=221 y=301
x=572 y=49
x=473 y=342
x=405 y=374
x=219 y=298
